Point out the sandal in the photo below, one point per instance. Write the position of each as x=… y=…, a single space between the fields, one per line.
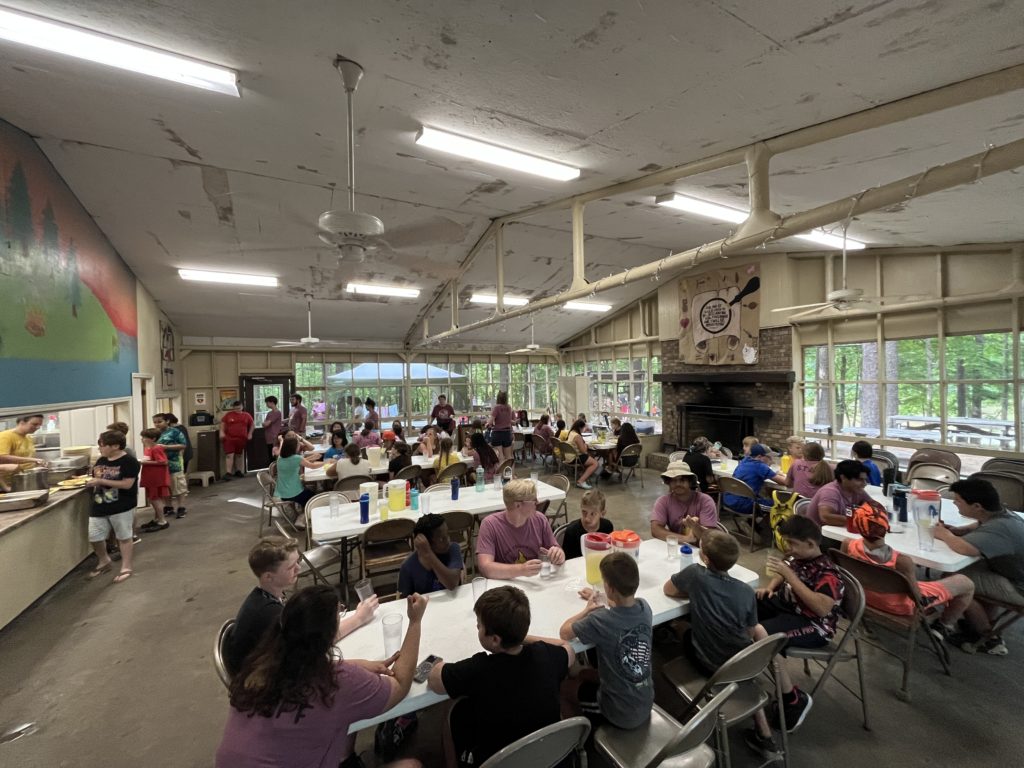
x=122 y=576
x=99 y=571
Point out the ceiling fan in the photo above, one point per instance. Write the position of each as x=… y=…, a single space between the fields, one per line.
x=309 y=341
x=843 y=299
x=533 y=348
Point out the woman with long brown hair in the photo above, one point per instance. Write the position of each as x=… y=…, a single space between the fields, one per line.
x=294 y=699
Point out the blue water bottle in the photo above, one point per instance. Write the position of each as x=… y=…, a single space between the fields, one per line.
x=479 y=479
x=414 y=499
x=364 y=509
x=455 y=489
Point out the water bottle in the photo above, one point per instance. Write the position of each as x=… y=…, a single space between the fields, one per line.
x=335 y=506
x=364 y=509
x=685 y=557
x=414 y=499
x=479 y=479
x=455 y=489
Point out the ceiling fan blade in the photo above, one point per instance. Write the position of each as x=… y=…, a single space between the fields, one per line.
x=437 y=230
x=811 y=312
x=801 y=306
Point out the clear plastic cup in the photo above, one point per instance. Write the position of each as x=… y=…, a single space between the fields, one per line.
x=479 y=587
x=672 y=542
x=392 y=624
x=535 y=476
x=364 y=589
x=545 y=567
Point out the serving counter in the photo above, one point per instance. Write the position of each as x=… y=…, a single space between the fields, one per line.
x=39 y=546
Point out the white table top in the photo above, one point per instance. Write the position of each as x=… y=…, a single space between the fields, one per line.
x=425 y=462
x=328 y=529
x=449 y=625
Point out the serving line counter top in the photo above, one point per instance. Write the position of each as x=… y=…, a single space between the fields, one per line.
x=39 y=546
x=449 y=624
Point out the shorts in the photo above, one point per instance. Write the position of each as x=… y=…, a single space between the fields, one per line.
x=588 y=694
x=179 y=484
x=988 y=583
x=234 y=444
x=501 y=437
x=157 y=491
x=799 y=631
x=121 y=524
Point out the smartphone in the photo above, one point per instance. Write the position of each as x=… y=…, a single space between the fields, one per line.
x=423 y=670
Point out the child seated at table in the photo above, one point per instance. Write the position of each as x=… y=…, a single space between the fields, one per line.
x=436 y=562
x=592 y=520
x=446 y=455
x=862 y=452
x=723 y=617
x=801 y=600
x=955 y=592
x=749 y=442
x=482 y=454
x=511 y=690
x=622 y=634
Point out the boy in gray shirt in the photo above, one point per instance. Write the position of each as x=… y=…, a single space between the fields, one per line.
x=622 y=634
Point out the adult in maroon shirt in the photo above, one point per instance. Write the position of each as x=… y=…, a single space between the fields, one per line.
x=444 y=414
x=297 y=417
x=500 y=425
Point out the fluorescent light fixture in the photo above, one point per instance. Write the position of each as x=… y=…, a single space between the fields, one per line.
x=490 y=298
x=382 y=290
x=587 y=306
x=735 y=216
x=234 y=278
x=489 y=153
x=54 y=36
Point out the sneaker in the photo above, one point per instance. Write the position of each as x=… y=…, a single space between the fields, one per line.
x=795 y=712
x=239 y=474
x=940 y=631
x=224 y=478
x=152 y=526
x=963 y=640
x=180 y=513
x=763 y=745
x=584 y=486
x=992 y=645
x=136 y=539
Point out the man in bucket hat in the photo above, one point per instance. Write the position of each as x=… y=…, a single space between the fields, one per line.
x=684 y=510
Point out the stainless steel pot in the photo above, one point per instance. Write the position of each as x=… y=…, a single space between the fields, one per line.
x=54 y=476
x=36 y=479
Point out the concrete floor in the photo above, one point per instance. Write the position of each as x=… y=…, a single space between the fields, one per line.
x=121 y=676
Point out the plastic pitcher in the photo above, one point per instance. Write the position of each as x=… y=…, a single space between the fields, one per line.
x=626 y=541
x=595 y=547
x=373 y=454
x=785 y=463
x=926 y=506
x=396 y=495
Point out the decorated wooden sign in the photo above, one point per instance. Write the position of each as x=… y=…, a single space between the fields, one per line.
x=719 y=319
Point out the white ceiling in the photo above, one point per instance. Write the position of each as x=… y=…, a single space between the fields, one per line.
x=182 y=178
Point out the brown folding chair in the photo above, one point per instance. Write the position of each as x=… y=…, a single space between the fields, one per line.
x=569 y=457
x=542 y=448
x=458 y=469
x=561 y=482
x=931 y=476
x=1010 y=487
x=935 y=456
x=352 y=483
x=627 y=470
x=887 y=581
x=499 y=471
x=412 y=474
x=460 y=530
x=385 y=546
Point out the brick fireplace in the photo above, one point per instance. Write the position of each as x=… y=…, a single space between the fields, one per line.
x=720 y=401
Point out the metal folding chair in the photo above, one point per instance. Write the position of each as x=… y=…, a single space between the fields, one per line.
x=544 y=748
x=224 y=634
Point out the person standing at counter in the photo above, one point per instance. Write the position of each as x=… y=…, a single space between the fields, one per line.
x=115 y=485
x=272 y=426
x=17 y=448
x=444 y=414
x=236 y=427
x=173 y=441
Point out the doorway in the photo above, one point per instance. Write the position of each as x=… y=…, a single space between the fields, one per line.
x=255 y=390
x=142 y=407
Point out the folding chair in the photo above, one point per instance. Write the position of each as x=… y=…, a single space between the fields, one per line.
x=1009 y=486
x=561 y=482
x=886 y=581
x=935 y=456
x=743 y=669
x=272 y=503
x=313 y=562
x=663 y=739
x=413 y=474
x=569 y=456
x=458 y=469
x=736 y=487
x=542 y=448
x=385 y=546
x=351 y=484
x=629 y=461
x=837 y=650
x=224 y=634
x=1007 y=614
x=560 y=534
x=544 y=748
x=460 y=529
x=931 y=476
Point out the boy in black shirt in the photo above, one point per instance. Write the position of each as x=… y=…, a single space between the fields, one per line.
x=115 y=488
x=591 y=520
x=511 y=691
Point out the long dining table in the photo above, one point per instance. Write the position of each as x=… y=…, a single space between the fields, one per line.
x=449 y=624
x=423 y=462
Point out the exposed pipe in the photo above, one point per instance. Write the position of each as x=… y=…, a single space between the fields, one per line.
x=579 y=279
x=499 y=259
x=758 y=160
x=943 y=97
x=935 y=179
x=455 y=304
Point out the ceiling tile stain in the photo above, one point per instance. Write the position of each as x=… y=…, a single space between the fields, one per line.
x=591 y=38
x=447 y=37
x=650 y=168
x=927 y=7
x=160 y=244
x=174 y=138
x=186 y=215
x=218 y=192
x=304 y=168
x=838 y=18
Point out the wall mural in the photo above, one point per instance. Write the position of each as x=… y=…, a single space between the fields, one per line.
x=68 y=315
x=719 y=319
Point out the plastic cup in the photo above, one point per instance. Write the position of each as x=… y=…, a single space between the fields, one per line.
x=364 y=589
x=479 y=587
x=545 y=566
x=392 y=624
x=535 y=476
x=672 y=543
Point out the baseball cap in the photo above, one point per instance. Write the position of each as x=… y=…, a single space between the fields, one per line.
x=677 y=469
x=759 y=450
x=389 y=434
